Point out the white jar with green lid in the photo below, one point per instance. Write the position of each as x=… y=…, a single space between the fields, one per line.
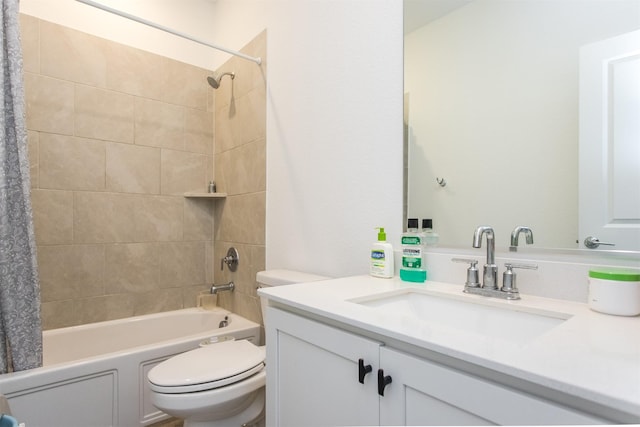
x=615 y=291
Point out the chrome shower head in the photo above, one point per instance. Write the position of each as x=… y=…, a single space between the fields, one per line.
x=214 y=82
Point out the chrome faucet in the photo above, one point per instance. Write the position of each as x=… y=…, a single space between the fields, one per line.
x=528 y=233
x=489 y=286
x=490 y=272
x=215 y=289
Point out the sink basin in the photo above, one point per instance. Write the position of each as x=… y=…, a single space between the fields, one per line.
x=503 y=321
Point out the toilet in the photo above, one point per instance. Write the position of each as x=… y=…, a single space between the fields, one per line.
x=220 y=384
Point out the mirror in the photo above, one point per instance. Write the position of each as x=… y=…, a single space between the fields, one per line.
x=491 y=111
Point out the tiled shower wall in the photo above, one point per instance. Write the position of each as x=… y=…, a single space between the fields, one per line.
x=240 y=171
x=116 y=136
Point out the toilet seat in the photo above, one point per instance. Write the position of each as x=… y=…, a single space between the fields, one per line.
x=207 y=368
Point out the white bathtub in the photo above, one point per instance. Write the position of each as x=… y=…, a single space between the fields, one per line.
x=95 y=374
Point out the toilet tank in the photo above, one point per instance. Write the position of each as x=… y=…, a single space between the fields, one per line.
x=270 y=278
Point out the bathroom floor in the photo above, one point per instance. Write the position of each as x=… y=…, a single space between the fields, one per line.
x=172 y=422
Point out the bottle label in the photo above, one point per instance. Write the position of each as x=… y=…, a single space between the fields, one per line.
x=377 y=254
x=411 y=240
x=411 y=251
x=412 y=257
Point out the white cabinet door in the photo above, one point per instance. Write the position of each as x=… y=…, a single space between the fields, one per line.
x=426 y=393
x=609 y=142
x=313 y=374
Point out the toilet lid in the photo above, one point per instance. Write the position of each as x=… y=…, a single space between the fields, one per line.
x=209 y=367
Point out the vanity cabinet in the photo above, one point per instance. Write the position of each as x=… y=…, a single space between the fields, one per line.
x=426 y=393
x=320 y=375
x=312 y=374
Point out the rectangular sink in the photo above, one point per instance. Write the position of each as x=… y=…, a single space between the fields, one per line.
x=508 y=322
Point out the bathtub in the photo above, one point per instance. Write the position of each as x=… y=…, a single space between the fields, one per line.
x=95 y=374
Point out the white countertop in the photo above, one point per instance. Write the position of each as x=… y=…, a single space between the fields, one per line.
x=591 y=355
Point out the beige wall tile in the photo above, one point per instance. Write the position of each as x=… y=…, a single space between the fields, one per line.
x=190 y=295
x=198 y=219
x=198 y=131
x=70 y=271
x=240 y=171
x=50 y=104
x=159 y=124
x=248 y=74
x=242 y=124
x=33 y=138
x=30 y=36
x=223 y=131
x=138 y=246
x=182 y=264
x=182 y=172
x=131 y=267
x=134 y=71
x=58 y=314
x=241 y=219
x=243 y=169
x=103 y=114
x=252 y=109
x=70 y=163
x=52 y=216
x=132 y=169
x=158 y=219
x=104 y=217
x=72 y=55
x=211 y=263
x=185 y=85
x=157 y=301
x=107 y=307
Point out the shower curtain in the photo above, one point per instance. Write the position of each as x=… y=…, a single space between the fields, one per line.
x=20 y=328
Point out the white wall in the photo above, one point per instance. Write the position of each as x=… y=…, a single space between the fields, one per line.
x=334 y=113
x=334 y=132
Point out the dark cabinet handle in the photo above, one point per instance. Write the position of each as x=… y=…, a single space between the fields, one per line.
x=363 y=370
x=382 y=381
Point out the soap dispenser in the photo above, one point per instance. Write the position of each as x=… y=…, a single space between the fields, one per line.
x=382 y=257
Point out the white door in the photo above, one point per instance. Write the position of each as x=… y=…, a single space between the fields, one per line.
x=314 y=376
x=609 y=207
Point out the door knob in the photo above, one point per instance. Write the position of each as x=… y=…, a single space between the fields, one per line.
x=593 y=242
x=363 y=370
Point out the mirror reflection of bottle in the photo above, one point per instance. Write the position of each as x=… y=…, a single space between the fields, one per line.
x=430 y=236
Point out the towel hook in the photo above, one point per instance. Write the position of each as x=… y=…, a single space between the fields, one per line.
x=441 y=182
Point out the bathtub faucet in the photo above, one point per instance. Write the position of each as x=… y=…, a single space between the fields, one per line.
x=219 y=288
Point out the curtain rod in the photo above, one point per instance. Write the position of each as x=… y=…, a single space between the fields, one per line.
x=257 y=60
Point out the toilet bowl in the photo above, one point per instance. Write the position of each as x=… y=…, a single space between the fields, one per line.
x=216 y=382
x=220 y=384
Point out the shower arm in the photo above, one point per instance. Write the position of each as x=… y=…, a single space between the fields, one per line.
x=257 y=60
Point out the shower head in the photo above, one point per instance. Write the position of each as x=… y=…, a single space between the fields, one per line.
x=215 y=81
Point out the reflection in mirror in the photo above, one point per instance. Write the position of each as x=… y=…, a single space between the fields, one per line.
x=492 y=104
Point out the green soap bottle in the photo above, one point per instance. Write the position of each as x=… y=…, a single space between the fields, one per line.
x=412 y=245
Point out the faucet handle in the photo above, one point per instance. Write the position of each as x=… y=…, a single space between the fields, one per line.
x=473 y=277
x=471 y=261
x=511 y=265
x=509 y=277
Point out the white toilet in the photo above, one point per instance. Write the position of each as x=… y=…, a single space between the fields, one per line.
x=220 y=384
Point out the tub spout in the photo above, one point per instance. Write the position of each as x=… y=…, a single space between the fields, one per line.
x=219 y=288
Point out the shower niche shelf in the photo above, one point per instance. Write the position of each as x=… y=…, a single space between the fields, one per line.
x=197 y=195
